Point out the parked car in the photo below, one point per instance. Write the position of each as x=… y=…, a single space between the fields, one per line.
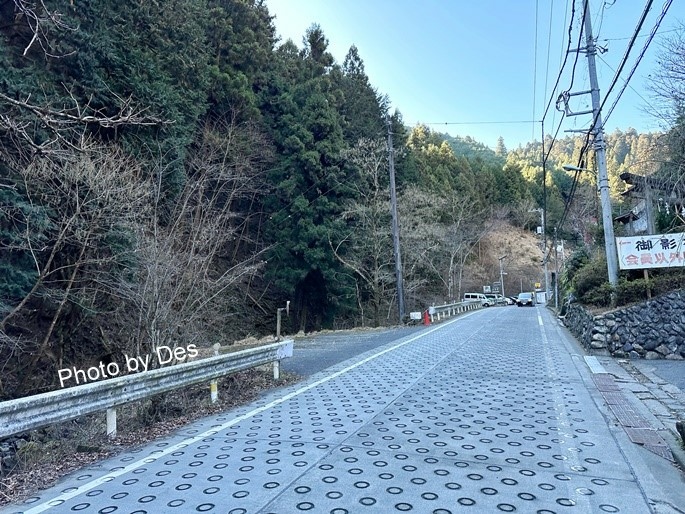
x=479 y=297
x=525 y=299
x=496 y=299
x=511 y=300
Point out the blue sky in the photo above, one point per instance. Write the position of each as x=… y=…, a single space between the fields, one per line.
x=450 y=63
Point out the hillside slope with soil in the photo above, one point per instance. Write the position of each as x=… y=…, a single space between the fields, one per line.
x=522 y=268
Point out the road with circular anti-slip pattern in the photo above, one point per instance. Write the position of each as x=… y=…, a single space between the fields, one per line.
x=487 y=413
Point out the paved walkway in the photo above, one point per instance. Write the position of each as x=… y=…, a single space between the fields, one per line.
x=493 y=412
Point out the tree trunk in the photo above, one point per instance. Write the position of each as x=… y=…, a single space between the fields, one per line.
x=46 y=340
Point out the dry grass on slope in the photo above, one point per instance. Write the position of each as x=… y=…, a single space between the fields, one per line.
x=523 y=264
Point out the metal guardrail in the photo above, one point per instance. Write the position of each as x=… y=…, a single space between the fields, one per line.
x=439 y=312
x=37 y=411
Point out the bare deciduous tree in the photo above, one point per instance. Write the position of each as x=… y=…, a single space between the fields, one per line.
x=88 y=198
x=192 y=260
x=366 y=247
x=39 y=23
x=441 y=232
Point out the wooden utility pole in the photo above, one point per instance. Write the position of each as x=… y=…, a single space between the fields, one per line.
x=395 y=225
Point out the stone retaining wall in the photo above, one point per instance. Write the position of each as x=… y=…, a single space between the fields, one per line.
x=651 y=330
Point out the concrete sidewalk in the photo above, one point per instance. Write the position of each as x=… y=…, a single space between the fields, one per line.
x=660 y=400
x=496 y=411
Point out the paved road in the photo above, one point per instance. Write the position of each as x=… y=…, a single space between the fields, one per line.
x=670 y=371
x=316 y=353
x=495 y=411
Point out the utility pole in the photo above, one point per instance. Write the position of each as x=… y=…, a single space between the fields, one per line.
x=600 y=154
x=501 y=273
x=556 y=271
x=395 y=224
x=544 y=249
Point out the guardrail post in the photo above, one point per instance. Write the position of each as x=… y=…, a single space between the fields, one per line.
x=278 y=318
x=277 y=370
x=112 y=422
x=214 y=384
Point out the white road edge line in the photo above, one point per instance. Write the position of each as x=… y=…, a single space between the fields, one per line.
x=565 y=432
x=59 y=500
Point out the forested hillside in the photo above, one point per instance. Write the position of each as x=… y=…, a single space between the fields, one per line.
x=173 y=175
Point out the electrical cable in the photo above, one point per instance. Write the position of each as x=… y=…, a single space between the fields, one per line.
x=544 y=157
x=573 y=73
x=580 y=41
x=586 y=144
x=631 y=87
x=642 y=35
x=549 y=43
x=622 y=64
x=494 y=122
x=598 y=31
x=561 y=57
x=535 y=63
x=664 y=10
x=563 y=64
x=629 y=48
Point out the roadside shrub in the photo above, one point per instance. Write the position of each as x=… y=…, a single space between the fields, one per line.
x=591 y=283
x=575 y=262
x=668 y=280
x=632 y=291
x=599 y=296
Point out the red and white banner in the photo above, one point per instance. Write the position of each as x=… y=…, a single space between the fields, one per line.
x=651 y=251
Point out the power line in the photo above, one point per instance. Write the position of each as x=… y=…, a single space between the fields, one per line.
x=614 y=81
x=554 y=138
x=631 y=87
x=489 y=122
x=601 y=19
x=563 y=64
x=623 y=62
x=544 y=157
x=664 y=10
x=654 y=109
x=573 y=72
x=562 y=56
x=549 y=43
x=641 y=35
x=586 y=6
x=535 y=62
x=585 y=147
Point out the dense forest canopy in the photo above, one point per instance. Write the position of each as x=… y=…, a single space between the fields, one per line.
x=173 y=173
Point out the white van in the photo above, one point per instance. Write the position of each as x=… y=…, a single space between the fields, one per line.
x=479 y=297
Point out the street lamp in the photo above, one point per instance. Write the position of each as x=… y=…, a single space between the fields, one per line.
x=571 y=167
x=607 y=222
x=501 y=274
